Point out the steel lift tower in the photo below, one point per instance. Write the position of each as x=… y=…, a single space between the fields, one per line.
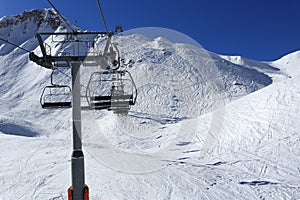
x=81 y=51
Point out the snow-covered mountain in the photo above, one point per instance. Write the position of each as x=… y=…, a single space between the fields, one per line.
x=205 y=126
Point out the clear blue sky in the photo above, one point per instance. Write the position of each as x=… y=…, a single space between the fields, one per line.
x=257 y=29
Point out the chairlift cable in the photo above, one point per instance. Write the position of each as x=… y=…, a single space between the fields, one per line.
x=14 y=45
x=63 y=73
x=102 y=15
x=62 y=17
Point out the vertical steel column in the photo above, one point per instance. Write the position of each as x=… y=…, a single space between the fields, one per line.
x=77 y=155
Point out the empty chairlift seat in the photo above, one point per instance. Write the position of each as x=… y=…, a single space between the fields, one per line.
x=56 y=96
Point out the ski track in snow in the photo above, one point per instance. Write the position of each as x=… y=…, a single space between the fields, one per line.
x=254 y=153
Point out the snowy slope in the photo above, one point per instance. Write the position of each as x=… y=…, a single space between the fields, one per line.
x=177 y=142
x=289 y=64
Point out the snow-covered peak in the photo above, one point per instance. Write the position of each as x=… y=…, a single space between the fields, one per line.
x=290 y=63
x=21 y=29
x=37 y=16
x=238 y=60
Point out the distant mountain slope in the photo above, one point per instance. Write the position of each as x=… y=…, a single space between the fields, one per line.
x=21 y=29
x=178 y=80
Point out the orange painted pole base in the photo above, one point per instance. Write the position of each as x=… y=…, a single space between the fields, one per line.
x=86 y=193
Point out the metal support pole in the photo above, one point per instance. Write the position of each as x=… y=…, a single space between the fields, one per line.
x=77 y=155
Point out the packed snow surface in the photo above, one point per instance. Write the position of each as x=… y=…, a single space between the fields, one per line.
x=205 y=126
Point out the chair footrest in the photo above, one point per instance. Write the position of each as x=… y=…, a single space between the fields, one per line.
x=57 y=105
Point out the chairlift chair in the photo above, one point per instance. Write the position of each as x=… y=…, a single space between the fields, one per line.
x=56 y=96
x=111 y=90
